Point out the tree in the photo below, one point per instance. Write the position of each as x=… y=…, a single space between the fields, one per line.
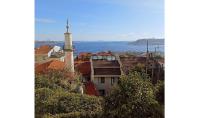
x=54 y=79
x=133 y=98
x=159 y=92
x=58 y=103
x=55 y=97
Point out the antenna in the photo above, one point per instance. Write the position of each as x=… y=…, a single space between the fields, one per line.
x=147 y=56
x=147 y=46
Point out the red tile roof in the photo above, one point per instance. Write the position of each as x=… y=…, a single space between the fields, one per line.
x=42 y=68
x=103 y=54
x=57 y=65
x=130 y=62
x=53 y=65
x=50 y=65
x=43 y=49
x=91 y=89
x=84 y=54
x=84 y=68
x=77 y=62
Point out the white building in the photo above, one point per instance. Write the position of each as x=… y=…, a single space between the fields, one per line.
x=54 y=50
x=104 y=73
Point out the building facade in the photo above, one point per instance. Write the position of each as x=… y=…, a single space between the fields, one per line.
x=105 y=72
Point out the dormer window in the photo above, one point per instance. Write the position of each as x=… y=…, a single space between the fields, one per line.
x=94 y=57
x=113 y=57
x=109 y=58
x=99 y=57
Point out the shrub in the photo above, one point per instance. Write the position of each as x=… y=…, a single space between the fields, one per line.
x=41 y=96
x=132 y=98
x=52 y=82
x=159 y=92
x=78 y=115
x=61 y=102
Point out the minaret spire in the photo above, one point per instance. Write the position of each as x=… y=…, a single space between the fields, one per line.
x=68 y=47
x=67 y=26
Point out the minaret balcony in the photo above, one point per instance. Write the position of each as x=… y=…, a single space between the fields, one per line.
x=68 y=50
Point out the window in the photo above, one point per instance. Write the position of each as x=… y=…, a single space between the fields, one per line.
x=113 y=58
x=102 y=92
x=99 y=57
x=104 y=57
x=102 y=80
x=112 y=80
x=109 y=58
x=94 y=57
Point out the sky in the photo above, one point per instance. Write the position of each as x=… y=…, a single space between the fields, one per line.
x=99 y=20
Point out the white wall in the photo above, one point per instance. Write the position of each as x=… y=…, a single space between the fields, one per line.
x=69 y=61
x=56 y=48
x=107 y=85
x=68 y=41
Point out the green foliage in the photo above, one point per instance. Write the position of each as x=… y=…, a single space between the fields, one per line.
x=41 y=96
x=56 y=79
x=141 y=69
x=75 y=115
x=159 y=91
x=61 y=103
x=45 y=81
x=132 y=98
x=54 y=98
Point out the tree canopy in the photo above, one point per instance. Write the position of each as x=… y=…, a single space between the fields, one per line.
x=56 y=97
x=134 y=97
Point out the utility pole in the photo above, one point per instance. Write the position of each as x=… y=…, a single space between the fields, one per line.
x=147 y=56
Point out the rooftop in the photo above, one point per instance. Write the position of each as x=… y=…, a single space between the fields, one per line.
x=85 y=54
x=131 y=61
x=57 y=65
x=105 y=64
x=107 y=71
x=53 y=64
x=105 y=67
x=84 y=68
x=103 y=54
x=43 y=49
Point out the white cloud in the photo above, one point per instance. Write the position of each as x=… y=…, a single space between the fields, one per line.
x=44 y=20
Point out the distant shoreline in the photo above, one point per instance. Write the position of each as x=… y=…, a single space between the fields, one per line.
x=80 y=41
x=127 y=42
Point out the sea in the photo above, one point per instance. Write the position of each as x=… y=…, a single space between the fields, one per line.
x=98 y=46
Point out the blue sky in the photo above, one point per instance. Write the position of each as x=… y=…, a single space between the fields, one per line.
x=99 y=20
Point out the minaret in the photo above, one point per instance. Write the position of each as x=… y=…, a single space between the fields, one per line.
x=68 y=48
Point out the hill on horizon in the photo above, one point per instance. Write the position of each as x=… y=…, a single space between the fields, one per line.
x=150 y=42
